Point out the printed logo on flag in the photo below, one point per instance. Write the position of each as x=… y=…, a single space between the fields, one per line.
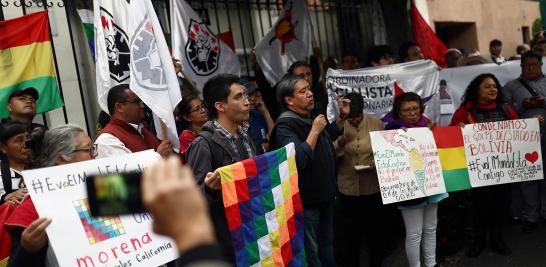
x=284 y=31
x=117 y=47
x=97 y=229
x=146 y=61
x=202 y=49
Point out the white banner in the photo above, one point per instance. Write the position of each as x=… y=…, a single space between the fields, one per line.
x=407 y=164
x=153 y=77
x=287 y=42
x=80 y=240
x=379 y=86
x=454 y=81
x=503 y=152
x=201 y=53
x=111 y=46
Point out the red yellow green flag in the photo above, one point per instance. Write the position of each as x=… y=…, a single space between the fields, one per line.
x=449 y=141
x=26 y=60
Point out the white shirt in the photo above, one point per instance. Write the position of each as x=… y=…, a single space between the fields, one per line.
x=16 y=183
x=499 y=60
x=108 y=145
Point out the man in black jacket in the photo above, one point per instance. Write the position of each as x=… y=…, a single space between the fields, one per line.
x=223 y=141
x=315 y=161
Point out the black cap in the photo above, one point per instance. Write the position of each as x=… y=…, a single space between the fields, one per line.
x=28 y=91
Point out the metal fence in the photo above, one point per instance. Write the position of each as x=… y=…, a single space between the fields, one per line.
x=338 y=26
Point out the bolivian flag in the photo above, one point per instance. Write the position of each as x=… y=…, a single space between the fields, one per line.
x=26 y=60
x=449 y=141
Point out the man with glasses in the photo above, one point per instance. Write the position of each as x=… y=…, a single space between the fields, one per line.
x=320 y=96
x=315 y=161
x=526 y=94
x=223 y=141
x=125 y=134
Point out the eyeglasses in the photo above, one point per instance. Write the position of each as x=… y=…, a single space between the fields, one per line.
x=243 y=96
x=92 y=150
x=409 y=110
x=198 y=108
x=134 y=101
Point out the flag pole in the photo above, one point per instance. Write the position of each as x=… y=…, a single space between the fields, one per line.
x=314 y=40
x=163 y=130
x=314 y=47
x=187 y=78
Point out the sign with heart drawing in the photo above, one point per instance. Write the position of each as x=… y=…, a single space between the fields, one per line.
x=503 y=152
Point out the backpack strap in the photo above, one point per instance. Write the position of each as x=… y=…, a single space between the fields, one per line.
x=528 y=87
x=215 y=150
x=6 y=177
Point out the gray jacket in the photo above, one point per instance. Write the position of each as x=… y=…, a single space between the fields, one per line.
x=514 y=93
x=200 y=159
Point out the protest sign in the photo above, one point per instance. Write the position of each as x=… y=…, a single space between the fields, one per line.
x=407 y=164
x=503 y=152
x=379 y=86
x=80 y=240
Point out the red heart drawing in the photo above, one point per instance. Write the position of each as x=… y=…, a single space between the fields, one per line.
x=531 y=157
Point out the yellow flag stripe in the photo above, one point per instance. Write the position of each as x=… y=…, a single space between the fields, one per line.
x=452 y=158
x=21 y=63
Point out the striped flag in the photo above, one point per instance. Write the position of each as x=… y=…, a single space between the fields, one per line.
x=87 y=18
x=26 y=60
x=263 y=209
x=449 y=141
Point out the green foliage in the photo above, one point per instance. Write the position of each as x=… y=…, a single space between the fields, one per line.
x=537 y=25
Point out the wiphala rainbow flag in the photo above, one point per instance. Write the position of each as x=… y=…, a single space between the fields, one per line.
x=263 y=209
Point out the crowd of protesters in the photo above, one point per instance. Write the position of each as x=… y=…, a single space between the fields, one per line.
x=240 y=118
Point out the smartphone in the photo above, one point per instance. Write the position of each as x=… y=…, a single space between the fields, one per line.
x=114 y=194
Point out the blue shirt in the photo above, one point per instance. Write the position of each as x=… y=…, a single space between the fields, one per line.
x=257 y=125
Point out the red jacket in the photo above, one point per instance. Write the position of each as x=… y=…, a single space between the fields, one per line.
x=185 y=139
x=465 y=114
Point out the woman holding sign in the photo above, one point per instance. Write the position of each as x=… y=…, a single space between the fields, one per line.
x=420 y=215
x=484 y=102
x=61 y=145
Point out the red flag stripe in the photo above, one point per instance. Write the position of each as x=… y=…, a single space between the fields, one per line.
x=448 y=137
x=24 y=30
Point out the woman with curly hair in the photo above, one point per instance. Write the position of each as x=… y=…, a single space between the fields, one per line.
x=484 y=102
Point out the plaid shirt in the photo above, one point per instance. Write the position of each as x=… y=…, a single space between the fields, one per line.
x=232 y=140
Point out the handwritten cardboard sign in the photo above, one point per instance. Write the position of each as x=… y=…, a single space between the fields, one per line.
x=503 y=152
x=80 y=240
x=407 y=164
